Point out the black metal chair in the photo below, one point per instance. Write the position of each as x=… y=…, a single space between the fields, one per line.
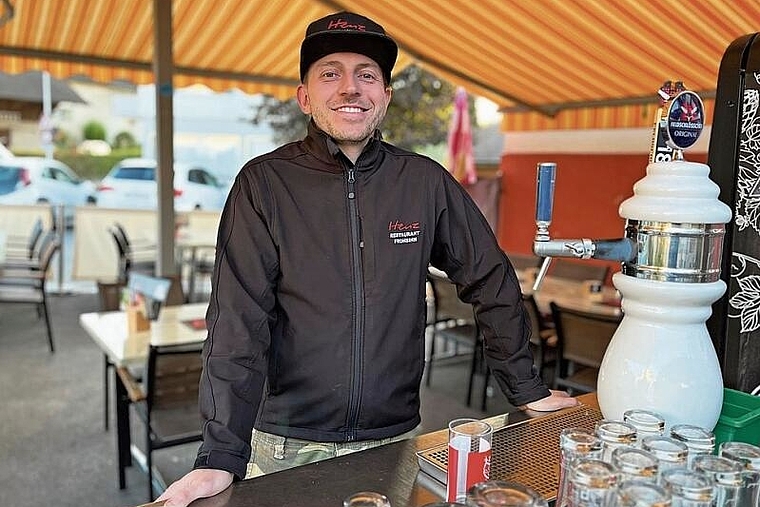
x=167 y=400
x=26 y=285
x=451 y=324
x=582 y=339
x=142 y=259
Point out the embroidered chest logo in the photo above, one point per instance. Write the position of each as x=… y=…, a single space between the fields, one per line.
x=402 y=232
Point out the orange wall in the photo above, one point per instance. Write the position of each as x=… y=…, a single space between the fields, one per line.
x=588 y=190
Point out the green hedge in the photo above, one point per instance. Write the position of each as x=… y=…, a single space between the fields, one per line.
x=95 y=168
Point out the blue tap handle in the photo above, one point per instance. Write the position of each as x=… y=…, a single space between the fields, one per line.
x=545 y=191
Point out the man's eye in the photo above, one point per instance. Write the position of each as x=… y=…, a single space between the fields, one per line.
x=368 y=76
x=329 y=74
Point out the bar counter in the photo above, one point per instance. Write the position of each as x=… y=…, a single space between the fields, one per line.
x=391 y=469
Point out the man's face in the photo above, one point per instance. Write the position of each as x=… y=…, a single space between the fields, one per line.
x=346 y=96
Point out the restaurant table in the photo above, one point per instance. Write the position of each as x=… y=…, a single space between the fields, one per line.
x=175 y=325
x=391 y=469
x=571 y=294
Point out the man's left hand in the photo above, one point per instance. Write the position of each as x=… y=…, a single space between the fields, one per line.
x=557 y=400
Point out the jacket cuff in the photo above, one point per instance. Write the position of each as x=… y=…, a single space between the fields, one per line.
x=220 y=460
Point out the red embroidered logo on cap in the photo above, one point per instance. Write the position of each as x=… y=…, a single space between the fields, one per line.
x=341 y=24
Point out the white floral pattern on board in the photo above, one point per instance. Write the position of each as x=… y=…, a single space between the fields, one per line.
x=745 y=269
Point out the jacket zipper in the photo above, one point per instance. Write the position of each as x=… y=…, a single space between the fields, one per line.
x=358 y=298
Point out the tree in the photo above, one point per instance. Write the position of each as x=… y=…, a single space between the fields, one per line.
x=419 y=113
x=94 y=130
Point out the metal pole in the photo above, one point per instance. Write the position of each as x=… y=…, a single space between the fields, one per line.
x=46 y=131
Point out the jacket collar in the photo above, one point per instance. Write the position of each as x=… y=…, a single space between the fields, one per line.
x=322 y=146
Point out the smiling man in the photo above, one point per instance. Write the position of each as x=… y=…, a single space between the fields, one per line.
x=316 y=341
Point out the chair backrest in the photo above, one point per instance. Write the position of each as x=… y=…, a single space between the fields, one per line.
x=578 y=270
x=34 y=237
x=110 y=295
x=523 y=261
x=49 y=245
x=120 y=238
x=583 y=337
x=534 y=316
x=174 y=372
x=448 y=306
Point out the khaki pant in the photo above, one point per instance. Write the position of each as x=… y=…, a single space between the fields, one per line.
x=272 y=453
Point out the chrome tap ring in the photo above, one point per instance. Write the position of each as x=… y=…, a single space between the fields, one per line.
x=675 y=252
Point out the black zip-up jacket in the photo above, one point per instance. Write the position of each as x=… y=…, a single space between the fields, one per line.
x=317 y=314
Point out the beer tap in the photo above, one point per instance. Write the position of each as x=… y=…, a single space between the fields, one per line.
x=621 y=249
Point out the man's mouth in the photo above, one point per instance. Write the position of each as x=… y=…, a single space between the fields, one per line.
x=350 y=109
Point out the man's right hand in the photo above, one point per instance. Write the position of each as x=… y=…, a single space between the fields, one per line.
x=198 y=483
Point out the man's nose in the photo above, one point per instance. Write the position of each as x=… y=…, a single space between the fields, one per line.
x=349 y=85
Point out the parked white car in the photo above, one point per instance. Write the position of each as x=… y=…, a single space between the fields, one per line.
x=131 y=184
x=39 y=180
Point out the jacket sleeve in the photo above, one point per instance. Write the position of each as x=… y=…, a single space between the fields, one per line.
x=466 y=248
x=239 y=316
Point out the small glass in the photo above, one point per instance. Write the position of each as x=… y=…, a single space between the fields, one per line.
x=688 y=488
x=469 y=456
x=634 y=463
x=699 y=440
x=574 y=443
x=592 y=482
x=367 y=499
x=504 y=493
x=728 y=479
x=638 y=493
x=646 y=422
x=670 y=453
x=614 y=434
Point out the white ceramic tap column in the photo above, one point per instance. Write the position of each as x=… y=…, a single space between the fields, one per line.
x=661 y=357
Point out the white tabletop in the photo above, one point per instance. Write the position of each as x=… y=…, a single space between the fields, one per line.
x=109 y=331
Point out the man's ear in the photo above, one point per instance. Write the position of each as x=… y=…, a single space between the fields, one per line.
x=302 y=96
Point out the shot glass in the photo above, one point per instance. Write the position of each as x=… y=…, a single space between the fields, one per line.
x=592 y=483
x=749 y=456
x=469 y=458
x=728 y=477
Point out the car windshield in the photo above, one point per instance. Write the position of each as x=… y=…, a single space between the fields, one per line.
x=9 y=176
x=135 y=173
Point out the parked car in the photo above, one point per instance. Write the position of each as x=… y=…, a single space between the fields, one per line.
x=5 y=153
x=37 y=180
x=131 y=184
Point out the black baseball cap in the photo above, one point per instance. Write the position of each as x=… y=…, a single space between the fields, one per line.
x=346 y=32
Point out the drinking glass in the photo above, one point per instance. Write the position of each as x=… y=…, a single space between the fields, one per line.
x=469 y=456
x=688 y=488
x=614 y=434
x=646 y=422
x=504 y=493
x=749 y=456
x=592 y=482
x=574 y=443
x=728 y=478
x=367 y=499
x=699 y=440
x=638 y=493
x=670 y=453
x=635 y=463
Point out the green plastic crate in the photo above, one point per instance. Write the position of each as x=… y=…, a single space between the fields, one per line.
x=739 y=419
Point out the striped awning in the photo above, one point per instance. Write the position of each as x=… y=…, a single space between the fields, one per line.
x=548 y=64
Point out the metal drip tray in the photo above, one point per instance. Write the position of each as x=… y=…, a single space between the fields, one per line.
x=526 y=452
